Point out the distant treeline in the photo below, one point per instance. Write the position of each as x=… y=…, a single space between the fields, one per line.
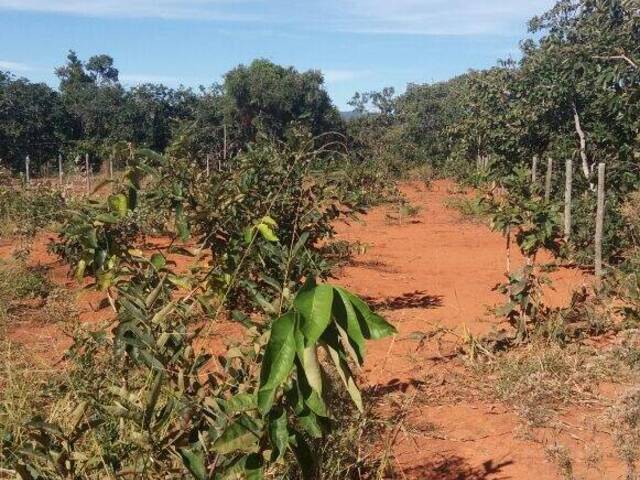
x=92 y=111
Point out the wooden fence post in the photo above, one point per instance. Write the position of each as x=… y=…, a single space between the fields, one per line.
x=600 y=220
x=88 y=171
x=224 y=145
x=27 y=173
x=567 y=199
x=208 y=166
x=60 y=169
x=111 y=167
x=548 y=179
x=534 y=170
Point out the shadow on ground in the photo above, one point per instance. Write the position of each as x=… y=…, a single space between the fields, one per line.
x=411 y=300
x=457 y=468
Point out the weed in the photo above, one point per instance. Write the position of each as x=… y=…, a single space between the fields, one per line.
x=560 y=456
x=20 y=284
x=472 y=209
x=544 y=377
x=624 y=420
x=403 y=210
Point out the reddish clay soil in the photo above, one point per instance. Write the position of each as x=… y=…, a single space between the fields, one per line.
x=433 y=270
x=438 y=270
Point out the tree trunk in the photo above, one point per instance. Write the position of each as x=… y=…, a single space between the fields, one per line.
x=586 y=168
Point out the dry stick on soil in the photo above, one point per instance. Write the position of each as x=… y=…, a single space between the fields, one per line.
x=548 y=179
x=567 y=200
x=600 y=220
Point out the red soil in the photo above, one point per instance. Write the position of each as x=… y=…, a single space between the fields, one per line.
x=433 y=270
x=438 y=270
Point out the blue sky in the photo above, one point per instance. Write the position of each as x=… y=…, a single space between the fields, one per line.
x=358 y=44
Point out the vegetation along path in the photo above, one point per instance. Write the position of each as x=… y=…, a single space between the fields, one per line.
x=432 y=275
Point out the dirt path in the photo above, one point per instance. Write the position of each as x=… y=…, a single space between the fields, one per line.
x=438 y=269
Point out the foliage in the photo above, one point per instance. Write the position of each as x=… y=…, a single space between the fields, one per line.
x=524 y=306
x=143 y=399
x=24 y=211
x=573 y=95
x=518 y=208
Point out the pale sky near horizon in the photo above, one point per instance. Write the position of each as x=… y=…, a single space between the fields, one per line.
x=359 y=45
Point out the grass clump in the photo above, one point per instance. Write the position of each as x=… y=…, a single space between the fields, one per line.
x=472 y=209
x=624 y=421
x=24 y=211
x=543 y=378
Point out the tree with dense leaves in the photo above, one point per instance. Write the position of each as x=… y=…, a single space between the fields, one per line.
x=268 y=98
x=33 y=122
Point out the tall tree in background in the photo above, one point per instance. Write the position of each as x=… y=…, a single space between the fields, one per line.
x=268 y=98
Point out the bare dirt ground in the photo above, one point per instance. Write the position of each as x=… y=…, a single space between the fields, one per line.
x=433 y=272
x=437 y=270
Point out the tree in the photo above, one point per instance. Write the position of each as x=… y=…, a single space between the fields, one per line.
x=32 y=122
x=268 y=98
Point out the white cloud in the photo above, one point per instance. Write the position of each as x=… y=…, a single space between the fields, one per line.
x=14 y=66
x=168 y=9
x=417 y=17
x=438 y=17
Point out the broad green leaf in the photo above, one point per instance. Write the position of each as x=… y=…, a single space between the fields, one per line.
x=241 y=435
x=247 y=467
x=119 y=204
x=182 y=226
x=346 y=376
x=193 y=460
x=158 y=261
x=312 y=398
x=269 y=221
x=267 y=233
x=312 y=369
x=314 y=303
x=241 y=402
x=278 y=360
x=279 y=433
x=374 y=327
x=347 y=319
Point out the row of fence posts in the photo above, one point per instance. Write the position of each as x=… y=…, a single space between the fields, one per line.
x=568 y=193
x=87 y=167
x=87 y=170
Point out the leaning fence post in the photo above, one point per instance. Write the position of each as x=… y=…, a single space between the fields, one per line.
x=548 y=178
x=27 y=175
x=567 y=199
x=534 y=170
x=88 y=172
x=600 y=220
